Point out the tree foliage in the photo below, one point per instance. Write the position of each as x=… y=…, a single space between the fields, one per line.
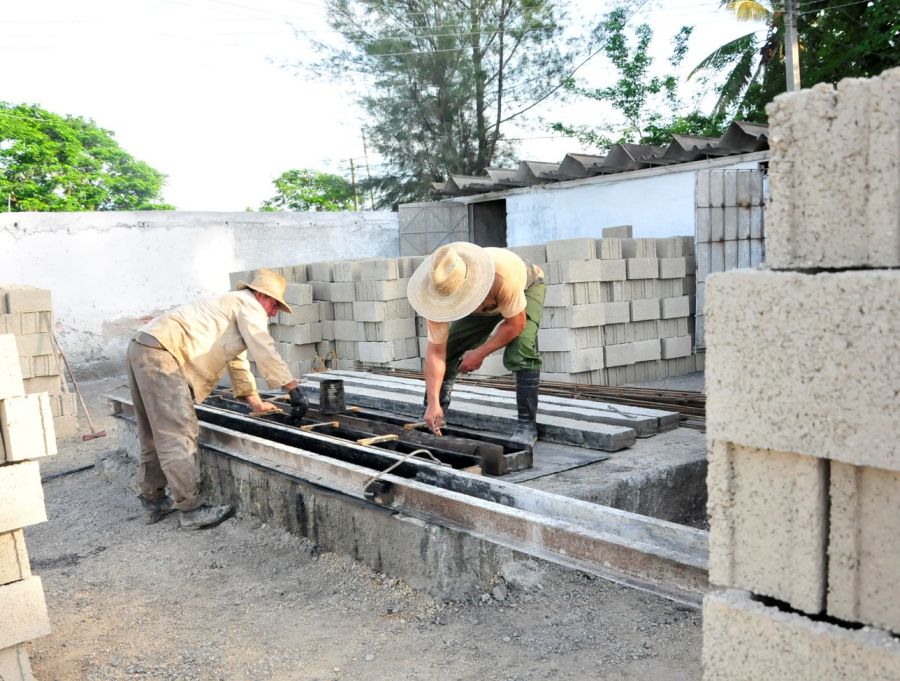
x=310 y=190
x=443 y=77
x=837 y=40
x=53 y=163
x=649 y=105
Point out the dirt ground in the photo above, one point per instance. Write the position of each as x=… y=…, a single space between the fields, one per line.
x=247 y=601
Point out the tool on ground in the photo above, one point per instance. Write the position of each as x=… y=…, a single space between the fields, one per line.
x=94 y=433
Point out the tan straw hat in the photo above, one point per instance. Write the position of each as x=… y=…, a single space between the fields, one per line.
x=452 y=282
x=272 y=284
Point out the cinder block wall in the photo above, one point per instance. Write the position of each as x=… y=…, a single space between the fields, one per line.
x=26 y=434
x=803 y=417
x=618 y=310
x=27 y=313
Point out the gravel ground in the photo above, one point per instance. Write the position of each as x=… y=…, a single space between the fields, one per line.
x=247 y=601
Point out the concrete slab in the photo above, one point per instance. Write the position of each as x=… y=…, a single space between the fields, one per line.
x=744 y=640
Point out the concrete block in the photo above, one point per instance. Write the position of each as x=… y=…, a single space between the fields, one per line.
x=34 y=344
x=619 y=355
x=347 y=270
x=392 y=329
x=577 y=316
x=298 y=294
x=672 y=308
x=11 y=323
x=716 y=224
x=864 y=546
x=576 y=271
x=717 y=257
x=24 y=612
x=743 y=224
x=36 y=322
x=703 y=261
x=829 y=147
x=14 y=565
x=326 y=310
x=563 y=339
x=343 y=312
x=744 y=640
x=394 y=289
x=768 y=523
x=346 y=350
x=609 y=249
x=701 y=188
x=379 y=311
x=757 y=252
x=821 y=385
x=743 y=254
x=346 y=330
x=301 y=274
x=21 y=496
x=644 y=248
x=26 y=427
x=10 y=368
x=43 y=365
x=379 y=270
x=301 y=314
x=297 y=353
x=731 y=223
x=14 y=664
x=580 y=248
x=65 y=425
x=647 y=351
x=669 y=247
x=642 y=310
x=643 y=268
x=558 y=295
x=25 y=299
x=533 y=254
x=320 y=271
x=573 y=361
x=678 y=346
x=342 y=291
x=672 y=268
x=619 y=231
x=300 y=334
x=731 y=255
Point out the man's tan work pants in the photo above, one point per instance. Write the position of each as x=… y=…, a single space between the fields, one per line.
x=167 y=426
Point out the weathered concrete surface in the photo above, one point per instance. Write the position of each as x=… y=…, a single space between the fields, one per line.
x=768 y=523
x=159 y=259
x=663 y=477
x=806 y=363
x=864 y=546
x=744 y=640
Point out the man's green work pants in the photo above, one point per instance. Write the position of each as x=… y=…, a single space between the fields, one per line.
x=520 y=355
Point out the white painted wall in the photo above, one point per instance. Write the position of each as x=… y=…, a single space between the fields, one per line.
x=108 y=272
x=657 y=203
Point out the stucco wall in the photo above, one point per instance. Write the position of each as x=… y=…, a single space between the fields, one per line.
x=109 y=271
x=657 y=203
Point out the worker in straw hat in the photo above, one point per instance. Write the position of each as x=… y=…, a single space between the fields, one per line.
x=466 y=292
x=177 y=359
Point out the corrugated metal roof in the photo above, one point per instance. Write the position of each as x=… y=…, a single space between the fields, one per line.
x=740 y=137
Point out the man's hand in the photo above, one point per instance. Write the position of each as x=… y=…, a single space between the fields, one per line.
x=257 y=406
x=434 y=418
x=471 y=361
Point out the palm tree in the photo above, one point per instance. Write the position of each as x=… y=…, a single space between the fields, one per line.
x=747 y=57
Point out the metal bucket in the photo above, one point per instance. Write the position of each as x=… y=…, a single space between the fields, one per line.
x=331 y=396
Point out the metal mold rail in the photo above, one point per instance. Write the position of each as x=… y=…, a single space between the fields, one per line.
x=638 y=551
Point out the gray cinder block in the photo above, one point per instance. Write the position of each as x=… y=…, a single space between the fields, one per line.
x=744 y=640
x=768 y=523
x=533 y=254
x=864 y=546
x=619 y=231
x=298 y=294
x=835 y=154
x=643 y=268
x=800 y=363
x=580 y=248
x=642 y=310
x=677 y=346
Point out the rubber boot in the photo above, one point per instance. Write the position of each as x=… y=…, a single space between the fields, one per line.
x=527 y=385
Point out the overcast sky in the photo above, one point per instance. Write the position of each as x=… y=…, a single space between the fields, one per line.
x=196 y=88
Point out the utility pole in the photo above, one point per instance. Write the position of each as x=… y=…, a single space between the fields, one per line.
x=791 y=47
x=353 y=182
x=368 y=173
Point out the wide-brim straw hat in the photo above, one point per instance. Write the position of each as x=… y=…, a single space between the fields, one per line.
x=272 y=284
x=451 y=282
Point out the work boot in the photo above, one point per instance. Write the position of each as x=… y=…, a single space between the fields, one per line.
x=203 y=516
x=154 y=511
x=527 y=385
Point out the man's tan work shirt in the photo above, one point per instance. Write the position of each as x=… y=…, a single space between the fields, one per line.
x=507 y=295
x=209 y=336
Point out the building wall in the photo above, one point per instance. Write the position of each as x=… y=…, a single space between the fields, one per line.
x=108 y=272
x=658 y=203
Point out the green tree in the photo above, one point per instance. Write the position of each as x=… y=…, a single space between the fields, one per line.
x=310 y=190
x=53 y=163
x=649 y=105
x=837 y=40
x=442 y=78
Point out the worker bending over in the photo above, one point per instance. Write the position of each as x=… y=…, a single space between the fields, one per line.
x=464 y=291
x=176 y=360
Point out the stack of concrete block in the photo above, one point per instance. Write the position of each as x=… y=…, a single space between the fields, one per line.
x=26 y=434
x=27 y=313
x=618 y=309
x=802 y=394
x=728 y=227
